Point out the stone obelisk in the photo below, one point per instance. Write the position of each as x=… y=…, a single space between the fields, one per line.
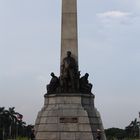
x=69 y=31
x=69 y=112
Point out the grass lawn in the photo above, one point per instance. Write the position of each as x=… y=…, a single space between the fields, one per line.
x=22 y=138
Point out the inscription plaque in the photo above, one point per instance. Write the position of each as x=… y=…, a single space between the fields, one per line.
x=68 y=120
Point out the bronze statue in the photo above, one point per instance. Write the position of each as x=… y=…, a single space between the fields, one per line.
x=69 y=73
x=85 y=86
x=69 y=81
x=54 y=83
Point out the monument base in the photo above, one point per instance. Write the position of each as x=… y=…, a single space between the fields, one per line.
x=69 y=117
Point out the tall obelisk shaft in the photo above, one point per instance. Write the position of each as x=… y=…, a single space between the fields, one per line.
x=69 y=39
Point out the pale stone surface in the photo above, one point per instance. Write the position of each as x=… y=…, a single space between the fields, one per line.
x=49 y=127
x=69 y=6
x=84 y=136
x=68 y=23
x=48 y=136
x=67 y=136
x=69 y=41
x=47 y=119
x=68 y=127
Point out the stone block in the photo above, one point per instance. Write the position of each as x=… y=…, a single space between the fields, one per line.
x=69 y=23
x=68 y=100
x=46 y=101
x=84 y=136
x=67 y=136
x=52 y=100
x=84 y=120
x=37 y=120
x=47 y=120
x=52 y=113
x=68 y=127
x=84 y=128
x=70 y=112
x=87 y=101
x=94 y=120
x=48 y=127
x=82 y=113
x=47 y=136
x=70 y=106
x=52 y=106
x=69 y=6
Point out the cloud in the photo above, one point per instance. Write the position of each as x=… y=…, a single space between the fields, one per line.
x=113 y=14
x=116 y=17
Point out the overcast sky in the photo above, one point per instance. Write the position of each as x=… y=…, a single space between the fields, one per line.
x=109 y=50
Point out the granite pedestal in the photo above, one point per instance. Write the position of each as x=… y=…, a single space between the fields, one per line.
x=68 y=117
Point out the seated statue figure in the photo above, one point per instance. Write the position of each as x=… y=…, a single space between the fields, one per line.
x=84 y=84
x=69 y=71
x=53 y=85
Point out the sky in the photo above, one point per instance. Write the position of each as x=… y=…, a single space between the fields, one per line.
x=108 y=37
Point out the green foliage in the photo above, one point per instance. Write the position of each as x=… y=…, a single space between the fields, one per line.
x=132 y=129
x=115 y=132
x=12 y=126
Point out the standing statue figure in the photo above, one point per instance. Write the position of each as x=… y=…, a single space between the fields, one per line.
x=53 y=85
x=85 y=86
x=69 y=74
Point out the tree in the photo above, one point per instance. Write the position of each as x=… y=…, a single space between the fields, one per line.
x=2 y=128
x=132 y=129
x=115 y=132
x=12 y=125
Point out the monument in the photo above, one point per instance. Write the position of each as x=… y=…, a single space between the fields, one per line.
x=69 y=112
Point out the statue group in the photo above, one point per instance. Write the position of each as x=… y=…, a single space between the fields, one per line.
x=69 y=80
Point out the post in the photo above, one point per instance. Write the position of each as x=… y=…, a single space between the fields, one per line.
x=69 y=39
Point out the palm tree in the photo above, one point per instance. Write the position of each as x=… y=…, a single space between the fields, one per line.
x=2 y=132
x=16 y=122
x=13 y=120
x=11 y=124
x=5 y=122
x=133 y=129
